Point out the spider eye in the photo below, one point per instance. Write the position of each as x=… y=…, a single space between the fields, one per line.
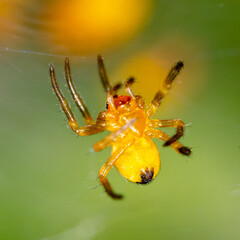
x=106 y=105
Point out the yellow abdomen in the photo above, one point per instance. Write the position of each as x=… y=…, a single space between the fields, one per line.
x=140 y=162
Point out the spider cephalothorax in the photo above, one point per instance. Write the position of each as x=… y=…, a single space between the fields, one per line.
x=133 y=152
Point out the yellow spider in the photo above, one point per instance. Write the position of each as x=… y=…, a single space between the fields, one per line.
x=133 y=152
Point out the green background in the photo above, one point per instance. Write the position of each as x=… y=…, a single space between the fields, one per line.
x=49 y=186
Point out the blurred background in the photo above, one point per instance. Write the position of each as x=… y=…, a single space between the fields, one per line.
x=49 y=187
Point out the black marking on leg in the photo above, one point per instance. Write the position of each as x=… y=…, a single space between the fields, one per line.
x=171 y=140
x=129 y=82
x=173 y=73
x=117 y=87
x=109 y=190
x=185 y=151
x=175 y=137
x=179 y=65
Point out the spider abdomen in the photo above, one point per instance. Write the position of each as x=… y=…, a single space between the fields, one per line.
x=140 y=162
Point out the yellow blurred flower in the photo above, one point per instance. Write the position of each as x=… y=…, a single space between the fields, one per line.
x=91 y=26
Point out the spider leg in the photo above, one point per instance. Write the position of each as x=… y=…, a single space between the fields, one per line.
x=128 y=86
x=82 y=131
x=103 y=74
x=105 y=81
x=167 y=84
x=108 y=140
x=116 y=87
x=106 y=168
x=169 y=123
x=154 y=133
x=77 y=99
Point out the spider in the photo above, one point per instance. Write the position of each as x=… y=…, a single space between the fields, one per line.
x=133 y=152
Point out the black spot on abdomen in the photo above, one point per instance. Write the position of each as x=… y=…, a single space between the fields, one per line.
x=146 y=176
